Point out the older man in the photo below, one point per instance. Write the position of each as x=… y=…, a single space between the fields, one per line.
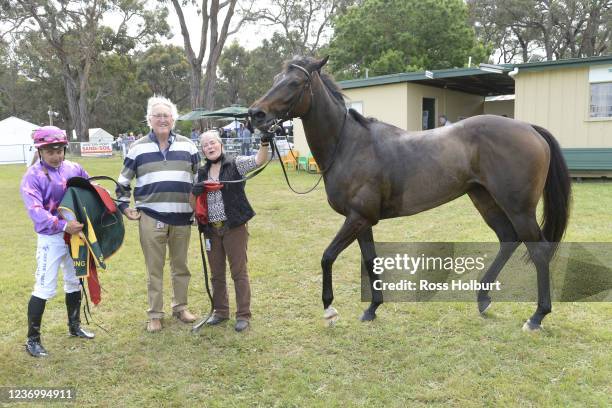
x=164 y=165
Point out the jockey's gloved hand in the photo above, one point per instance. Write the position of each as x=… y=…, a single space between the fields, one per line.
x=266 y=137
x=197 y=189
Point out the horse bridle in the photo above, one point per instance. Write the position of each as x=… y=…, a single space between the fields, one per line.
x=297 y=100
x=309 y=86
x=286 y=116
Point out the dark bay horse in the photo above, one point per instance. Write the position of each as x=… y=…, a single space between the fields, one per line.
x=373 y=171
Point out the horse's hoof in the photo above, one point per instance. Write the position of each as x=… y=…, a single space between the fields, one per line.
x=484 y=305
x=529 y=327
x=367 y=316
x=330 y=316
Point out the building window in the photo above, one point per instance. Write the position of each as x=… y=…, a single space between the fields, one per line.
x=601 y=100
x=358 y=106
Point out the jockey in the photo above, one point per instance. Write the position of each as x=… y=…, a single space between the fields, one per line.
x=42 y=189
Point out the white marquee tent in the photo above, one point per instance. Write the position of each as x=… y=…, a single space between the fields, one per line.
x=99 y=135
x=233 y=125
x=16 y=141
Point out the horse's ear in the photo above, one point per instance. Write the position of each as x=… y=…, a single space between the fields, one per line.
x=321 y=63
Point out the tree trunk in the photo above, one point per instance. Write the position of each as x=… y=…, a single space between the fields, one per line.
x=196 y=81
x=217 y=40
x=524 y=43
x=83 y=118
x=77 y=102
x=209 y=89
x=72 y=96
x=196 y=96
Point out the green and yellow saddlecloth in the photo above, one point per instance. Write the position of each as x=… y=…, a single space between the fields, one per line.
x=103 y=229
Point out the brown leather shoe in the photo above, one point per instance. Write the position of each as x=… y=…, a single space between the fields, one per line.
x=184 y=316
x=154 y=325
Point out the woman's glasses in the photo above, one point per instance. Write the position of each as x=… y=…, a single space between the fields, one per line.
x=161 y=116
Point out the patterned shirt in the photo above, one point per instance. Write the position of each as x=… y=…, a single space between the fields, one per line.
x=163 y=181
x=216 y=207
x=42 y=190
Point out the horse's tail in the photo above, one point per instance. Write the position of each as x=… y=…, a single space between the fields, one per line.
x=557 y=191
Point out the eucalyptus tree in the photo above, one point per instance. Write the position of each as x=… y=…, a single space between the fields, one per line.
x=218 y=21
x=165 y=70
x=552 y=29
x=389 y=36
x=77 y=34
x=304 y=24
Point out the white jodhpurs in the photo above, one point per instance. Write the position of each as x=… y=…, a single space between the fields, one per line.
x=51 y=253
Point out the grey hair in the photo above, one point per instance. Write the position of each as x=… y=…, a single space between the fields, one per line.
x=214 y=134
x=160 y=100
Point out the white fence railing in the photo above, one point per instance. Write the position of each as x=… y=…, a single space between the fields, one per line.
x=234 y=146
x=23 y=153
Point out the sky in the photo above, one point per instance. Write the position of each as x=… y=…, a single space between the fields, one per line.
x=249 y=36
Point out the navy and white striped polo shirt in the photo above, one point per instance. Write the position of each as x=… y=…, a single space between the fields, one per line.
x=163 y=181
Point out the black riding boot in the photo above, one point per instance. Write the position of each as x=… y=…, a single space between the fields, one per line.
x=73 y=305
x=36 y=308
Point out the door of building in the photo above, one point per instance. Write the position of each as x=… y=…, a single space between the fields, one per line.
x=429 y=113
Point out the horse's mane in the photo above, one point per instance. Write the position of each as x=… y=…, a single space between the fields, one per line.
x=310 y=64
x=362 y=120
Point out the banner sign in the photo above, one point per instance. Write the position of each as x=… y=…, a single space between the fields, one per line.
x=96 y=149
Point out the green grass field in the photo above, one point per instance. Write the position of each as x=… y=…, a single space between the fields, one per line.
x=414 y=354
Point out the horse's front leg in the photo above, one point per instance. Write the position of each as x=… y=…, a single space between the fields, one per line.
x=368 y=253
x=352 y=227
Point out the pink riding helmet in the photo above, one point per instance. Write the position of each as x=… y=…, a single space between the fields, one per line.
x=49 y=135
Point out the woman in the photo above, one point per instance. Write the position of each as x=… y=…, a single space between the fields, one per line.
x=226 y=229
x=42 y=188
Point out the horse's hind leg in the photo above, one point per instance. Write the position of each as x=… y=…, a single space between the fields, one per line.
x=540 y=252
x=368 y=253
x=499 y=222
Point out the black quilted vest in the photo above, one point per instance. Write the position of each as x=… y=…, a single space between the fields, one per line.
x=237 y=208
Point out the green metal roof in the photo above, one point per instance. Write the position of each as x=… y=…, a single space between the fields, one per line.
x=564 y=63
x=473 y=80
x=470 y=80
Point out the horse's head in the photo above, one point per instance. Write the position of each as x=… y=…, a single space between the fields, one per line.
x=290 y=95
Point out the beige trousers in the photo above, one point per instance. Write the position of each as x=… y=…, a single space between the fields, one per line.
x=154 y=237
